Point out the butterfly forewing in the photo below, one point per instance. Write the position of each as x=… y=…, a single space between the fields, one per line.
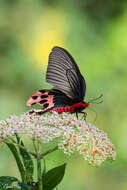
x=63 y=73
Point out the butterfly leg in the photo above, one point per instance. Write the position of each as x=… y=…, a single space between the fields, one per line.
x=84 y=115
x=77 y=115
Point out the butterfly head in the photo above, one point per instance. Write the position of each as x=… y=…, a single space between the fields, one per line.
x=83 y=105
x=86 y=105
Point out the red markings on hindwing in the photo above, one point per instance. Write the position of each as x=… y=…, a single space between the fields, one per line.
x=45 y=98
x=41 y=98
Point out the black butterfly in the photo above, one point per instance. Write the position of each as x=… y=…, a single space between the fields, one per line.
x=69 y=86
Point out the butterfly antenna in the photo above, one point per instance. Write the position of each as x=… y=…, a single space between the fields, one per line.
x=94 y=101
x=95 y=114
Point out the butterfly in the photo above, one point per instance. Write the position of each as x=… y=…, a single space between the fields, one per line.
x=69 y=89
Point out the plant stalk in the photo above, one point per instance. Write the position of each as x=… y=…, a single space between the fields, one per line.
x=48 y=151
x=39 y=173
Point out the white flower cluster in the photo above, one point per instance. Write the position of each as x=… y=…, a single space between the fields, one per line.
x=76 y=135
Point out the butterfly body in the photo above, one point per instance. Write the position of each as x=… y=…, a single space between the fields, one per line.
x=69 y=86
x=77 y=107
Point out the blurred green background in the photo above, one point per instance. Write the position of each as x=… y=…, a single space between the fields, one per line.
x=95 y=33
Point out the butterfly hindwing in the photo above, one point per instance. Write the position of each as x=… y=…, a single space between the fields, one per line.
x=41 y=98
x=64 y=74
x=48 y=99
x=60 y=99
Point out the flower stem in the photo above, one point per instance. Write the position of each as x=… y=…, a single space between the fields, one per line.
x=38 y=158
x=39 y=173
x=49 y=151
x=44 y=169
x=34 y=145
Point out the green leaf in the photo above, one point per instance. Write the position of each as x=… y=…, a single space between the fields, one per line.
x=23 y=186
x=7 y=182
x=53 y=177
x=15 y=153
x=12 y=183
x=27 y=160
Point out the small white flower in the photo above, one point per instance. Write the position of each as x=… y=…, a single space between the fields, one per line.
x=76 y=135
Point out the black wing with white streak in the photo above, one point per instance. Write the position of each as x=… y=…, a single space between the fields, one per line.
x=64 y=74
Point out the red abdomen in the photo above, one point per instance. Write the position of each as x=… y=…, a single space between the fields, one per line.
x=77 y=107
